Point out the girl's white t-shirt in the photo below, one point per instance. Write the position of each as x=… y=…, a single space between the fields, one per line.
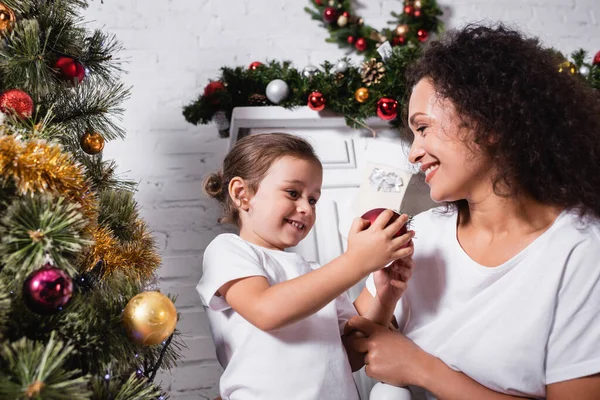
x=305 y=360
x=514 y=328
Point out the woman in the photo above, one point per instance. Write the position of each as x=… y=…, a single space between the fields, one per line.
x=504 y=299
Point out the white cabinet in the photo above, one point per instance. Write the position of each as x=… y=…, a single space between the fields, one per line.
x=348 y=157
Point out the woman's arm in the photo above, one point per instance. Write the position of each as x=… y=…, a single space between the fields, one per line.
x=587 y=388
x=394 y=359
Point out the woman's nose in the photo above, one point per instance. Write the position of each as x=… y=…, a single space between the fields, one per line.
x=416 y=152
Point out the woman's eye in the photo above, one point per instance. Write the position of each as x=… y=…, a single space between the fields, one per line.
x=292 y=193
x=421 y=130
x=312 y=201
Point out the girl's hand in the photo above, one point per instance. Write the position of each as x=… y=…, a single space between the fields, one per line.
x=374 y=246
x=390 y=357
x=391 y=282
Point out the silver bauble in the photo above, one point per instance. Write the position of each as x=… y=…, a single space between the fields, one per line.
x=277 y=91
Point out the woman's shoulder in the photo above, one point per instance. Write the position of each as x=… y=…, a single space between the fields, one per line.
x=584 y=228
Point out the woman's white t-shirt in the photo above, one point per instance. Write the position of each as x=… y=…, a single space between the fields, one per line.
x=532 y=321
x=305 y=360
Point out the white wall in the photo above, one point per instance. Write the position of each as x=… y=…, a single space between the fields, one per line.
x=175 y=46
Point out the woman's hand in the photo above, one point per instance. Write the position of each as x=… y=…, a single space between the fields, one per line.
x=390 y=357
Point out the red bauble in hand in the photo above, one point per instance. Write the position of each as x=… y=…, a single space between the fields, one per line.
x=372 y=215
x=316 y=101
x=387 y=109
x=361 y=44
x=47 y=290
x=16 y=101
x=70 y=69
x=596 y=59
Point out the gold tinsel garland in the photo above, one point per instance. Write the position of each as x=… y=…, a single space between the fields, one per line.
x=36 y=166
x=136 y=258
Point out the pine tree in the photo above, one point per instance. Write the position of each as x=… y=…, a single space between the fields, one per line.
x=77 y=263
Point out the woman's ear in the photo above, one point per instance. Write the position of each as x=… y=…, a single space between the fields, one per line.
x=238 y=190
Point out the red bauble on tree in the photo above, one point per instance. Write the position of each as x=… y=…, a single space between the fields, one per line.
x=350 y=39
x=361 y=44
x=596 y=59
x=47 y=290
x=319 y=2
x=70 y=69
x=372 y=215
x=16 y=101
x=387 y=109
x=213 y=87
x=330 y=15
x=398 y=41
x=255 y=65
x=422 y=35
x=316 y=101
x=408 y=10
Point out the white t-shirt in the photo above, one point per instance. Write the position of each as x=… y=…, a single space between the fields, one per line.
x=305 y=360
x=532 y=321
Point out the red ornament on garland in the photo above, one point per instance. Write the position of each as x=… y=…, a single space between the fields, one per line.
x=16 y=101
x=319 y=2
x=350 y=39
x=254 y=66
x=398 y=41
x=316 y=101
x=330 y=15
x=596 y=59
x=47 y=290
x=70 y=69
x=213 y=87
x=422 y=35
x=417 y=13
x=361 y=44
x=408 y=10
x=387 y=109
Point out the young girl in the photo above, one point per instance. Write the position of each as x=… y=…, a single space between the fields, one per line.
x=277 y=319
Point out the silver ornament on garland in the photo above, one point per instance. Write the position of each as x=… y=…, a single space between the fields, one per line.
x=221 y=122
x=309 y=71
x=584 y=70
x=341 y=66
x=277 y=91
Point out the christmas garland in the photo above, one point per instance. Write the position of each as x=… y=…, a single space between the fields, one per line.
x=373 y=88
x=411 y=27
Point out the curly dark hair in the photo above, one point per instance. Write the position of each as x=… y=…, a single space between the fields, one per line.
x=542 y=127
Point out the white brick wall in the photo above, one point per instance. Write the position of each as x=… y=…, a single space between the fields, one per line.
x=175 y=46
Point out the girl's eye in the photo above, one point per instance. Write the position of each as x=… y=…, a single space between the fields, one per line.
x=293 y=194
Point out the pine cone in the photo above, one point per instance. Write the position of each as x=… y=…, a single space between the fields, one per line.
x=257 y=100
x=372 y=72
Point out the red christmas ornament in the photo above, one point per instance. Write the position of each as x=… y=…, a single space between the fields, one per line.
x=350 y=39
x=16 y=101
x=213 y=87
x=372 y=215
x=255 y=65
x=387 y=109
x=316 y=101
x=417 y=13
x=70 y=69
x=398 y=41
x=47 y=290
x=596 y=59
x=361 y=44
x=408 y=10
x=330 y=15
x=422 y=35
x=319 y=2
x=346 y=14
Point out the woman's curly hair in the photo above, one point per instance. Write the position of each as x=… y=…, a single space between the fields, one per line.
x=541 y=126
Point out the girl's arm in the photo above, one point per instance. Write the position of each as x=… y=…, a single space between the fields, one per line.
x=272 y=307
x=369 y=307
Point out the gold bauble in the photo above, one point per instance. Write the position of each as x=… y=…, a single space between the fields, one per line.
x=7 y=19
x=361 y=95
x=92 y=142
x=149 y=318
x=401 y=30
x=567 y=66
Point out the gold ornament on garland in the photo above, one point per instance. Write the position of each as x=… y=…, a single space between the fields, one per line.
x=361 y=95
x=567 y=66
x=7 y=19
x=372 y=72
x=92 y=143
x=149 y=318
